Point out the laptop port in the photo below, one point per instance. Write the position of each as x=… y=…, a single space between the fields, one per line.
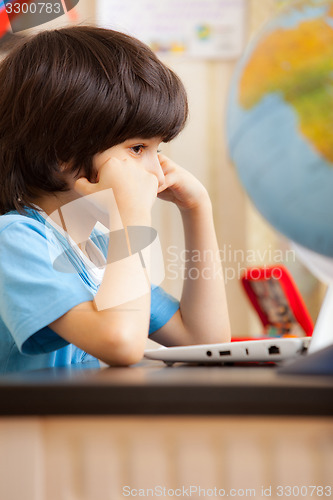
x=225 y=353
x=273 y=349
x=209 y=353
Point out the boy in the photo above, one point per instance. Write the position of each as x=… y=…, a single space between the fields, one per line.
x=83 y=111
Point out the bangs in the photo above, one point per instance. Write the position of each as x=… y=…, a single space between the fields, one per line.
x=151 y=102
x=126 y=92
x=157 y=111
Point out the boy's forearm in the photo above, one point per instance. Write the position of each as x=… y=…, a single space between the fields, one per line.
x=126 y=278
x=203 y=303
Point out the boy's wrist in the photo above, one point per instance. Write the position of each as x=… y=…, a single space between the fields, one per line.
x=202 y=206
x=136 y=218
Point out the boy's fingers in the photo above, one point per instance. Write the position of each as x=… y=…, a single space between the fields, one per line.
x=166 y=164
x=169 y=181
x=162 y=158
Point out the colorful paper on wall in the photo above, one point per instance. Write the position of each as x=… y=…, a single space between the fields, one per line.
x=211 y=29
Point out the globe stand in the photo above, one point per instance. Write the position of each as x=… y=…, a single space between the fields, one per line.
x=319 y=359
x=323 y=331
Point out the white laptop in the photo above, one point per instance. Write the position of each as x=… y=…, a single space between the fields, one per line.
x=274 y=349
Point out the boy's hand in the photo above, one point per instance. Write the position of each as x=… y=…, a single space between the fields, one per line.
x=180 y=186
x=134 y=188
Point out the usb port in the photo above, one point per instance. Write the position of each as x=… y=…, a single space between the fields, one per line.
x=225 y=353
x=273 y=349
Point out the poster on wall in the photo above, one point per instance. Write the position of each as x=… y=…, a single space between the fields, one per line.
x=209 y=29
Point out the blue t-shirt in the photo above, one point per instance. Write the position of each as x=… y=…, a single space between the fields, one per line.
x=33 y=294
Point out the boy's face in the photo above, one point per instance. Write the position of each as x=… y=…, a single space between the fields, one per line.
x=144 y=151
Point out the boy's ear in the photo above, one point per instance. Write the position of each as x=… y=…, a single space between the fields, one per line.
x=64 y=167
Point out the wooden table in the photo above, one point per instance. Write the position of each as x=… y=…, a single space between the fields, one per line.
x=156 y=431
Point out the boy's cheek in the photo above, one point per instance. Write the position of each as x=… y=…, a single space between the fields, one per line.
x=101 y=158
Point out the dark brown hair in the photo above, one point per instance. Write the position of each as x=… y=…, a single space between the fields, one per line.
x=68 y=94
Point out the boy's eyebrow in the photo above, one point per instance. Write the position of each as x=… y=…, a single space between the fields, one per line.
x=143 y=139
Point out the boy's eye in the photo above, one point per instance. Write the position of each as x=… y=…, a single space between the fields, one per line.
x=138 y=149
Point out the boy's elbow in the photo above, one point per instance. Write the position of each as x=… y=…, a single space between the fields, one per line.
x=124 y=348
x=126 y=357
x=227 y=336
x=227 y=332
x=218 y=336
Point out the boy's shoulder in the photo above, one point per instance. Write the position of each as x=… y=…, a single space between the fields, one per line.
x=13 y=219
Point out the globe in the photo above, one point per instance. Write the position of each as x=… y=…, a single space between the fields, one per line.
x=280 y=123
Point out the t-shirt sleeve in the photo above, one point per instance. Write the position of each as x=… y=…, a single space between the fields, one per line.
x=32 y=293
x=163 y=307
